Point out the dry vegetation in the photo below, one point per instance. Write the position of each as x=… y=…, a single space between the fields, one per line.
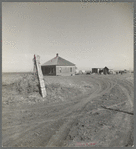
x=27 y=87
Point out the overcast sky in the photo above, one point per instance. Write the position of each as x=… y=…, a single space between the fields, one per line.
x=87 y=34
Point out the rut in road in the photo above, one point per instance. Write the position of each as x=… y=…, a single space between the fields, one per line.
x=51 y=128
x=57 y=140
x=61 y=114
x=119 y=131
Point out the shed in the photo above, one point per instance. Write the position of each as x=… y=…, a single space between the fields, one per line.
x=58 y=66
x=105 y=70
x=97 y=70
x=94 y=70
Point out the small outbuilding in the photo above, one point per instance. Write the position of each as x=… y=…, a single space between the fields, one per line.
x=58 y=66
x=105 y=70
x=94 y=70
x=97 y=70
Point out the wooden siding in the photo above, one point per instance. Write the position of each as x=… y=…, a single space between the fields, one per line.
x=65 y=70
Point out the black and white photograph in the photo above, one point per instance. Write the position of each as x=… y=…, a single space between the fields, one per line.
x=68 y=74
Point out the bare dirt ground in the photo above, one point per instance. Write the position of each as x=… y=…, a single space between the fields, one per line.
x=89 y=110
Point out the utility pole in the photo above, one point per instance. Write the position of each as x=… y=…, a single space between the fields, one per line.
x=40 y=75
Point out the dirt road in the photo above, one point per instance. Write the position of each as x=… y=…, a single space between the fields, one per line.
x=102 y=118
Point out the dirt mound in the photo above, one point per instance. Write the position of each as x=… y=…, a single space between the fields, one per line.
x=55 y=91
x=19 y=90
x=27 y=90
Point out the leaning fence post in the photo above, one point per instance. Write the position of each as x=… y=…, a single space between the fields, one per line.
x=40 y=75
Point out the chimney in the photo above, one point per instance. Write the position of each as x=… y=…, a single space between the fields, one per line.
x=57 y=55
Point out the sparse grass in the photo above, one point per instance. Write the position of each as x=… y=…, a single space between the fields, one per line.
x=27 y=84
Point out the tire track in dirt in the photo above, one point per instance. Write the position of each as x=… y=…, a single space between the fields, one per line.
x=50 y=105
x=66 y=118
x=126 y=92
x=107 y=137
x=30 y=128
x=74 y=109
x=43 y=112
x=57 y=140
x=66 y=113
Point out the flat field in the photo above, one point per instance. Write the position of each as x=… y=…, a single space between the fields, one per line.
x=78 y=111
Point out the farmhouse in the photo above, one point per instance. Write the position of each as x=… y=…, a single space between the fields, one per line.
x=58 y=66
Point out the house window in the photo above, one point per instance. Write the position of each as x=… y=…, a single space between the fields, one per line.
x=60 y=69
x=70 y=69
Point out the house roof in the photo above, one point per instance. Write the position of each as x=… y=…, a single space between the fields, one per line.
x=58 y=61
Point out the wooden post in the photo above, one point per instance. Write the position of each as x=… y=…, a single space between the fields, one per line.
x=40 y=75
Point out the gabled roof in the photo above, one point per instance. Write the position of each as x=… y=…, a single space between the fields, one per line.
x=58 y=61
